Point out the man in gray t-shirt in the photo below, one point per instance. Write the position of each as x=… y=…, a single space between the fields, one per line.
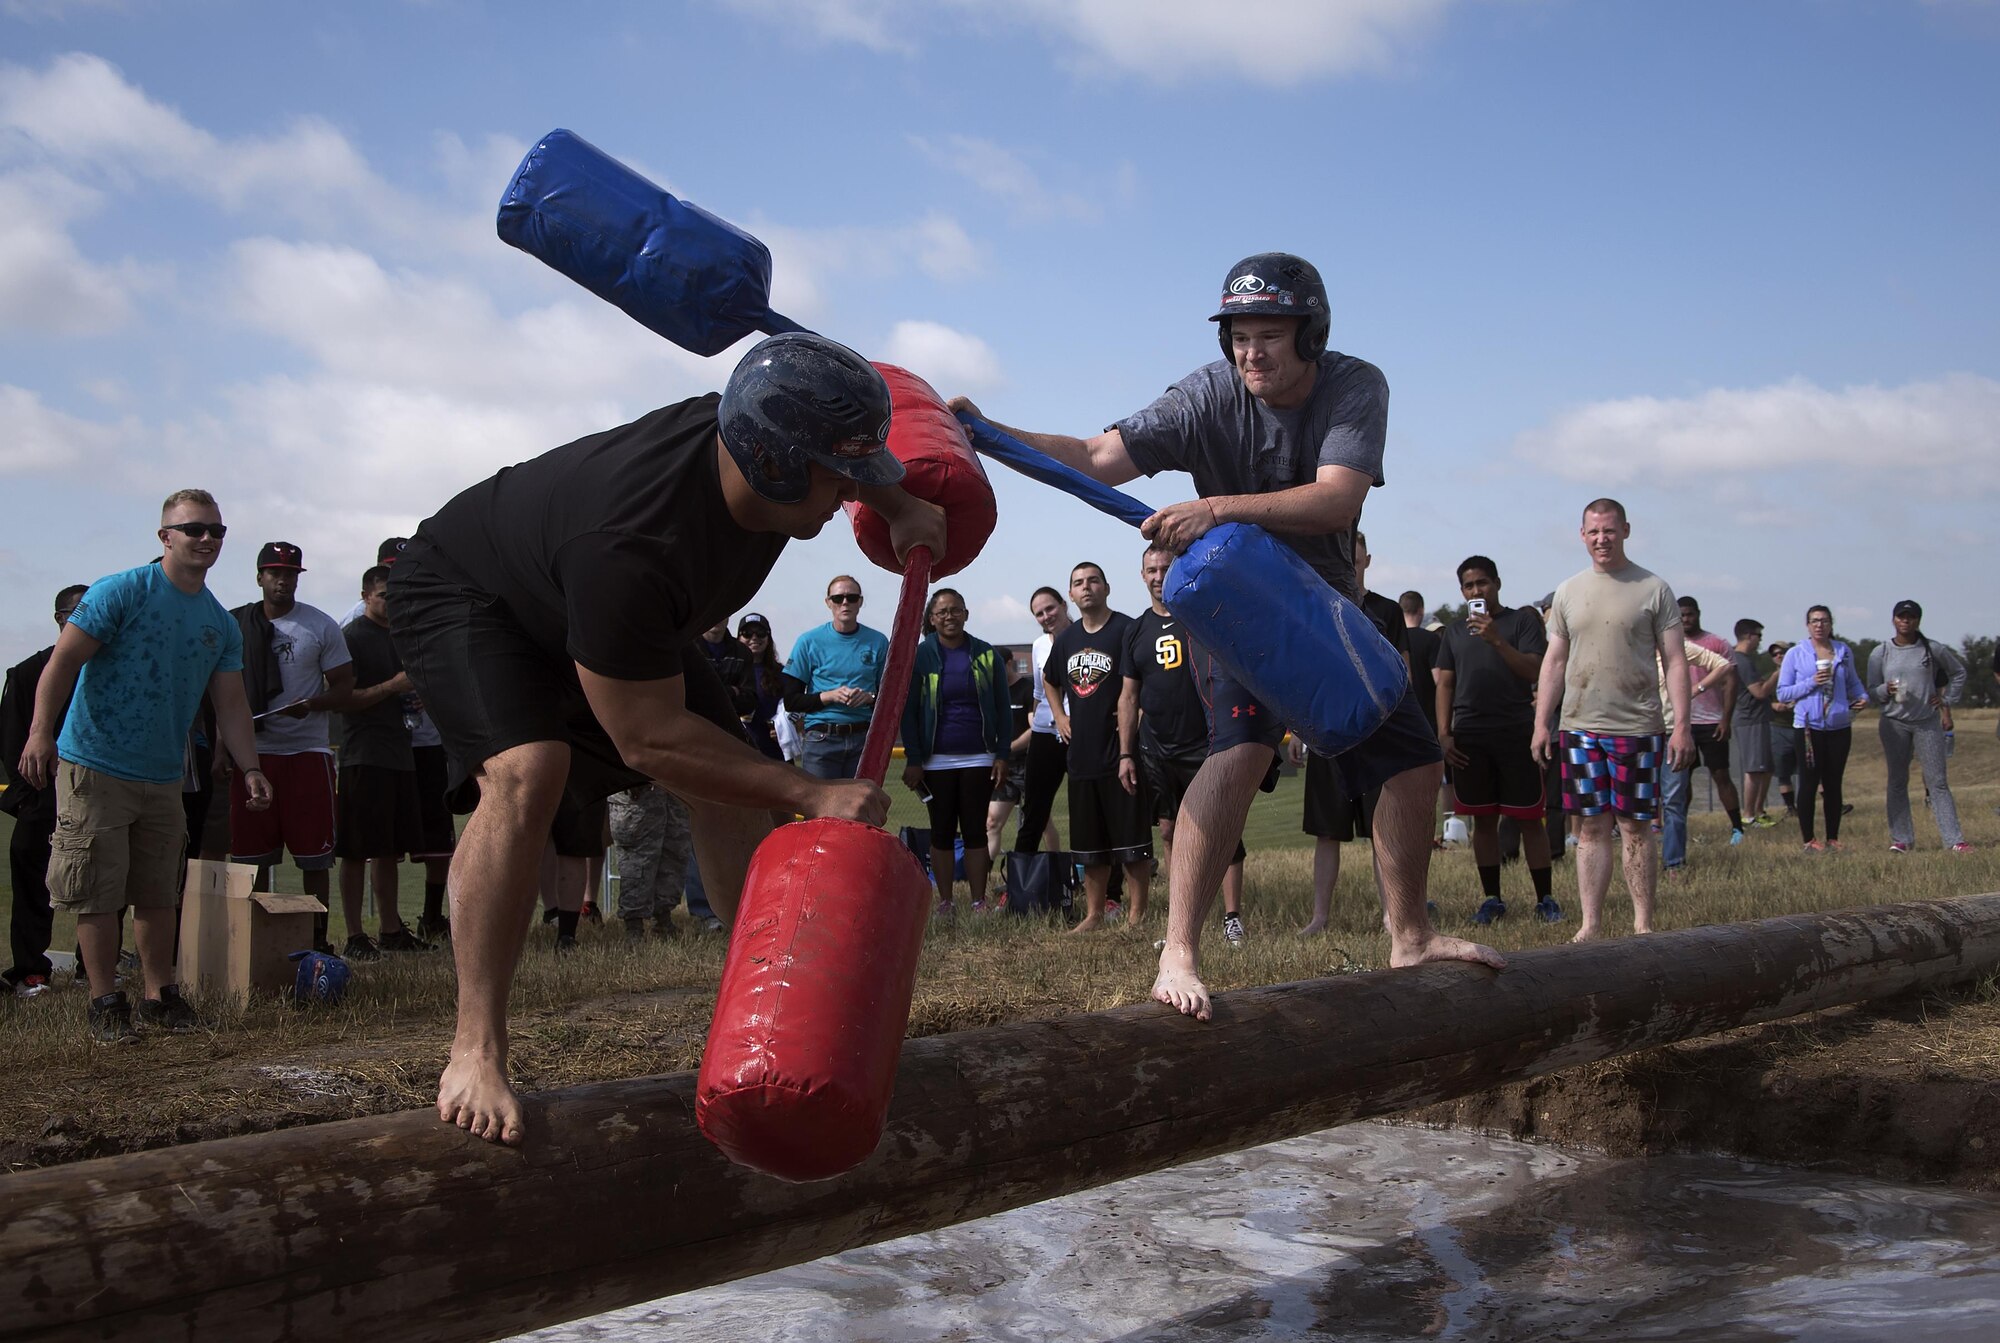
x=1288 y=435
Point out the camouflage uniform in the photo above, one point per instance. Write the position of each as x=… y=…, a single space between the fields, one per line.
x=649 y=826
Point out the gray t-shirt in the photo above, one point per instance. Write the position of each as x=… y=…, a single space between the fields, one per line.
x=1208 y=425
x=1486 y=696
x=1750 y=711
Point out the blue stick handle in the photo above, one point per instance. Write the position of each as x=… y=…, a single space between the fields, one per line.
x=1004 y=447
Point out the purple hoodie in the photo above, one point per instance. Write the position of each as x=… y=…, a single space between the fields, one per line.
x=1823 y=708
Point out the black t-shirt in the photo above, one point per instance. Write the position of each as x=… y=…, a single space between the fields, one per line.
x=375 y=736
x=615 y=551
x=1423 y=645
x=1087 y=669
x=1386 y=616
x=1486 y=696
x=1171 y=721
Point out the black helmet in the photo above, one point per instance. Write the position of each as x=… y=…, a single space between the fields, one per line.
x=1276 y=284
x=800 y=398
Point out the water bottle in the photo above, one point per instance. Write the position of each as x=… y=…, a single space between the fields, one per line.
x=1950 y=743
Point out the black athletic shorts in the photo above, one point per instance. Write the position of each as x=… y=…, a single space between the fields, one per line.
x=375 y=813
x=1500 y=776
x=1404 y=742
x=1168 y=778
x=489 y=687
x=958 y=799
x=1712 y=753
x=1108 y=824
x=1331 y=811
x=579 y=829
x=436 y=835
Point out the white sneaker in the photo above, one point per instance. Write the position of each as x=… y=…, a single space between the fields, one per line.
x=1232 y=929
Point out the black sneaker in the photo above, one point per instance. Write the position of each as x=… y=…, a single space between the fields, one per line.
x=1549 y=911
x=168 y=1012
x=434 y=930
x=110 y=1020
x=1493 y=908
x=404 y=940
x=565 y=944
x=361 y=947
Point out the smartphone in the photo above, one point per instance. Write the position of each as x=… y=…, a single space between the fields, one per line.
x=1475 y=606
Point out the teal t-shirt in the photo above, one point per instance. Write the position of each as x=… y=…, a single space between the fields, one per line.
x=137 y=696
x=825 y=659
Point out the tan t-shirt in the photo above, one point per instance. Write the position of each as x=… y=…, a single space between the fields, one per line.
x=1613 y=623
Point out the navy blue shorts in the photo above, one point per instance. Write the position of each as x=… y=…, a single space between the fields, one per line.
x=1236 y=717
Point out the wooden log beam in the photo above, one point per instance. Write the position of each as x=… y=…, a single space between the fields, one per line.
x=397 y=1227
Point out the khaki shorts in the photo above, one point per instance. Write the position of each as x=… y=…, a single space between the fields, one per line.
x=117 y=842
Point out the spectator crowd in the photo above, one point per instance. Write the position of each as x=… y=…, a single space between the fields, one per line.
x=161 y=725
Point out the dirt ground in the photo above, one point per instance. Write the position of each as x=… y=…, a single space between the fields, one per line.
x=1908 y=1090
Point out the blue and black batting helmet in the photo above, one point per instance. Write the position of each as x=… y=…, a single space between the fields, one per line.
x=800 y=398
x=1276 y=284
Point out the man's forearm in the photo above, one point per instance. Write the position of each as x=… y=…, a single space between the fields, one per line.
x=694 y=757
x=1314 y=509
x=52 y=693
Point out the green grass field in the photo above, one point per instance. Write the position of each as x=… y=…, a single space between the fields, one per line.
x=611 y=1010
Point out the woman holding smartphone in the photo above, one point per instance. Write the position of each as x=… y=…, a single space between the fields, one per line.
x=1818 y=679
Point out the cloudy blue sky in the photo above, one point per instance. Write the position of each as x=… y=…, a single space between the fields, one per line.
x=1734 y=263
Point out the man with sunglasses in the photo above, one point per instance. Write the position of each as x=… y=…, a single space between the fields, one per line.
x=132 y=664
x=834 y=672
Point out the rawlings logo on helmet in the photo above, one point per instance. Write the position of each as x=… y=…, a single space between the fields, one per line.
x=1247 y=284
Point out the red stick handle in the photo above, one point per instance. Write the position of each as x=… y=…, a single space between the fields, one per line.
x=894 y=690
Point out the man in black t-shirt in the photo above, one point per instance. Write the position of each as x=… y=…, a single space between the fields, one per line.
x=1288 y=435
x=1107 y=823
x=378 y=819
x=1162 y=727
x=1486 y=670
x=516 y=609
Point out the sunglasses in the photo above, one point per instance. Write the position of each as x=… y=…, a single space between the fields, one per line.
x=843 y=598
x=196 y=530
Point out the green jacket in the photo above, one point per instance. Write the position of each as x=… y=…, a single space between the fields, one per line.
x=989 y=682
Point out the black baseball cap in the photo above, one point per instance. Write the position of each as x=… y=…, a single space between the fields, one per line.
x=1907 y=610
x=391 y=550
x=752 y=618
x=281 y=555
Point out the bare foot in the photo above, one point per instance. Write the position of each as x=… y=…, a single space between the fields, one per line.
x=1090 y=924
x=1587 y=933
x=1179 y=987
x=1438 y=947
x=1316 y=926
x=473 y=1093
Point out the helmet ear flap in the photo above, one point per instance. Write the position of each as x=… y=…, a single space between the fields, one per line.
x=1310 y=339
x=1222 y=339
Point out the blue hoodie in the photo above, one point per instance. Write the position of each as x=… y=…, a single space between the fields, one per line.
x=1822 y=708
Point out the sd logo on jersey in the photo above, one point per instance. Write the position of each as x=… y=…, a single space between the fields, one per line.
x=1088 y=670
x=1167 y=651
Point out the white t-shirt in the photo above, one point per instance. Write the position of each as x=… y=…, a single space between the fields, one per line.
x=1043 y=720
x=309 y=645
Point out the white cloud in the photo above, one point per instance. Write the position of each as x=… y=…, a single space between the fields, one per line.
x=879 y=25
x=945 y=358
x=42 y=440
x=1943 y=432
x=1002 y=173
x=1006 y=609
x=1275 y=42
x=806 y=262
x=80 y=112
x=47 y=285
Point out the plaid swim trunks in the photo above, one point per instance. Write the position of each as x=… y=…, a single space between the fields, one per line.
x=1616 y=774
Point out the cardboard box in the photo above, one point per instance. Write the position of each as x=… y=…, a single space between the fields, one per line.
x=235 y=940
